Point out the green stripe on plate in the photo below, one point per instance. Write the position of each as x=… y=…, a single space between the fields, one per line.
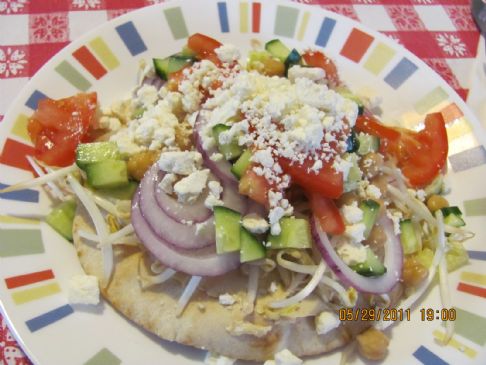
x=244 y=13
x=29 y=295
x=471 y=326
x=15 y=220
x=104 y=53
x=379 y=58
x=66 y=70
x=176 y=22
x=19 y=128
x=433 y=98
x=104 y=357
x=20 y=242
x=475 y=207
x=286 y=21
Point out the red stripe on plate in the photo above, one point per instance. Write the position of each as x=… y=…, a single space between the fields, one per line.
x=89 y=62
x=26 y=279
x=14 y=154
x=471 y=289
x=356 y=45
x=256 y=13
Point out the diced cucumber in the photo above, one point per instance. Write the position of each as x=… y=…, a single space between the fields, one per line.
x=61 y=218
x=453 y=216
x=88 y=153
x=107 y=174
x=265 y=63
x=371 y=267
x=241 y=164
x=408 y=237
x=227 y=225
x=352 y=142
x=251 y=248
x=456 y=256
x=277 y=49
x=165 y=66
x=122 y=192
x=354 y=174
x=231 y=150
x=295 y=233
x=187 y=52
x=367 y=143
x=370 y=210
x=425 y=257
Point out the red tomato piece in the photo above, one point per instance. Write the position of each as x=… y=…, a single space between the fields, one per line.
x=371 y=126
x=327 y=213
x=204 y=46
x=254 y=186
x=328 y=182
x=319 y=59
x=58 y=126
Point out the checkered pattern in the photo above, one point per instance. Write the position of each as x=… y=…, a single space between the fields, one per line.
x=441 y=32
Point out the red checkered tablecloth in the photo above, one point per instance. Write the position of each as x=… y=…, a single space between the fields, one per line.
x=440 y=32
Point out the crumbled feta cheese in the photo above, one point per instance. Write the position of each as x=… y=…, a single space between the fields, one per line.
x=311 y=73
x=215 y=359
x=284 y=357
x=83 y=289
x=343 y=165
x=373 y=191
x=189 y=188
x=180 y=162
x=326 y=322
x=395 y=215
x=273 y=287
x=147 y=95
x=421 y=195
x=213 y=198
x=125 y=142
x=274 y=217
x=355 y=232
x=111 y=123
x=227 y=299
x=255 y=224
x=236 y=129
x=216 y=157
x=352 y=213
x=167 y=183
x=351 y=253
x=241 y=328
x=227 y=53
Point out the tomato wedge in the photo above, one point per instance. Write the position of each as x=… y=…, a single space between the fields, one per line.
x=204 y=46
x=327 y=213
x=254 y=186
x=58 y=126
x=319 y=59
x=327 y=182
x=420 y=155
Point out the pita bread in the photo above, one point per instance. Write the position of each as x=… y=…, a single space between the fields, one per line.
x=204 y=322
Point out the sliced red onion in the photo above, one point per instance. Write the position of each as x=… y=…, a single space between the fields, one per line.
x=175 y=233
x=221 y=168
x=374 y=285
x=233 y=199
x=196 y=212
x=202 y=262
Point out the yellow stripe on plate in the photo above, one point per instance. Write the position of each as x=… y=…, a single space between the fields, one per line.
x=29 y=295
x=303 y=26
x=20 y=127
x=473 y=278
x=16 y=220
x=101 y=49
x=469 y=352
x=460 y=127
x=244 y=11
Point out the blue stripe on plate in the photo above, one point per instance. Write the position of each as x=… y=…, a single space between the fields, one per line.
x=468 y=159
x=400 y=73
x=29 y=196
x=48 y=318
x=325 y=32
x=477 y=255
x=130 y=36
x=34 y=99
x=427 y=357
x=223 y=17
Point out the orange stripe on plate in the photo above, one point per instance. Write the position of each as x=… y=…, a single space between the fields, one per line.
x=256 y=12
x=89 y=62
x=26 y=279
x=471 y=289
x=14 y=154
x=356 y=45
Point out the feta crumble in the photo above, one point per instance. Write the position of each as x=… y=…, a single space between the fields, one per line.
x=167 y=183
x=213 y=198
x=255 y=224
x=83 y=289
x=228 y=53
x=227 y=299
x=352 y=213
x=311 y=73
x=215 y=359
x=180 y=162
x=284 y=357
x=352 y=253
x=326 y=322
x=189 y=188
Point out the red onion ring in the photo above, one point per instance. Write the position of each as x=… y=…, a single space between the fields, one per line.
x=374 y=285
x=201 y=262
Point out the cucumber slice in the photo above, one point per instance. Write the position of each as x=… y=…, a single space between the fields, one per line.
x=122 y=192
x=61 y=219
x=227 y=223
x=295 y=234
x=352 y=142
x=251 y=248
x=371 y=267
x=278 y=49
x=107 y=174
x=231 y=150
x=241 y=164
x=88 y=153
x=453 y=216
x=165 y=66
x=408 y=237
x=370 y=210
x=367 y=143
x=354 y=175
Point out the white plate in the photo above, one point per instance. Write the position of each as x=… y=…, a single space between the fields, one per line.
x=53 y=332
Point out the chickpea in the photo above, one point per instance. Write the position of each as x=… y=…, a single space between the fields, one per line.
x=436 y=202
x=373 y=344
x=139 y=163
x=370 y=164
x=413 y=272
